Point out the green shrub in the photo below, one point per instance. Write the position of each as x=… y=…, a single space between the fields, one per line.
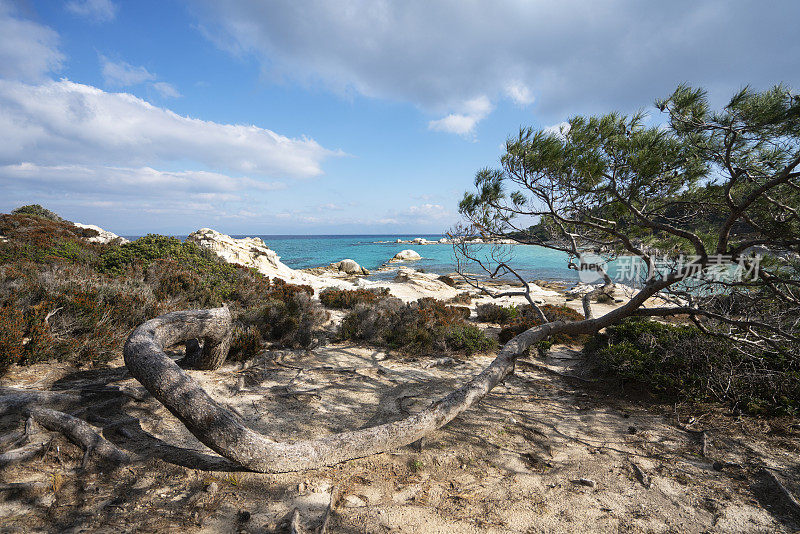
x=680 y=362
x=245 y=344
x=527 y=319
x=492 y=313
x=93 y=295
x=422 y=327
x=37 y=211
x=348 y=298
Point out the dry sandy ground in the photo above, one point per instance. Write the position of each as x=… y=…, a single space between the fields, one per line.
x=542 y=453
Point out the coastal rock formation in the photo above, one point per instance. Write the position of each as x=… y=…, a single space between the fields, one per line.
x=424 y=281
x=250 y=252
x=103 y=236
x=405 y=255
x=346 y=267
x=349 y=266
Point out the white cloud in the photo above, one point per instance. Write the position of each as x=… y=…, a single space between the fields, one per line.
x=94 y=10
x=561 y=129
x=28 y=51
x=122 y=74
x=125 y=181
x=66 y=123
x=519 y=93
x=463 y=123
x=167 y=90
x=573 y=56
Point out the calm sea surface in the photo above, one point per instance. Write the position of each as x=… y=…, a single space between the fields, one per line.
x=372 y=251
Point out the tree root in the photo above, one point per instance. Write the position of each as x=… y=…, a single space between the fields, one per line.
x=23 y=453
x=789 y=499
x=80 y=433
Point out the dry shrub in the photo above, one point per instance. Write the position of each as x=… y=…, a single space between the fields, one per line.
x=423 y=327
x=62 y=297
x=346 y=299
x=526 y=319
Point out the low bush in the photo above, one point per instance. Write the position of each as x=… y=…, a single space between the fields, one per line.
x=526 y=319
x=681 y=362
x=423 y=327
x=461 y=298
x=37 y=211
x=346 y=299
x=64 y=298
x=492 y=313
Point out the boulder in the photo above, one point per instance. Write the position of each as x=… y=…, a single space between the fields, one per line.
x=349 y=266
x=102 y=236
x=406 y=255
x=250 y=252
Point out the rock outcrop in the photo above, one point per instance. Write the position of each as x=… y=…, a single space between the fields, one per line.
x=103 y=236
x=405 y=255
x=425 y=284
x=250 y=252
x=346 y=267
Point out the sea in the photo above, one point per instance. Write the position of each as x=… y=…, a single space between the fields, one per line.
x=373 y=251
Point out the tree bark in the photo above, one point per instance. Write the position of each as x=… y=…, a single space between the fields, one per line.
x=80 y=433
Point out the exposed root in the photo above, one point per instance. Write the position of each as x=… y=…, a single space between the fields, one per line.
x=23 y=453
x=80 y=433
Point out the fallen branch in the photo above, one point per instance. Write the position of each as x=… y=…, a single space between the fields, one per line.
x=80 y=433
x=23 y=453
x=219 y=429
x=641 y=476
x=789 y=499
x=14 y=399
x=294 y=524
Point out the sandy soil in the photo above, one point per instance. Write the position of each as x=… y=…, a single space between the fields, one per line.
x=543 y=453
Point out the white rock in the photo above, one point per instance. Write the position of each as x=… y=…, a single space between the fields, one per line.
x=406 y=255
x=250 y=252
x=349 y=266
x=103 y=236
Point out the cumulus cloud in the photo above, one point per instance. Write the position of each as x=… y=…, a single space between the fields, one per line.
x=94 y=10
x=28 y=51
x=122 y=74
x=573 y=57
x=63 y=122
x=464 y=123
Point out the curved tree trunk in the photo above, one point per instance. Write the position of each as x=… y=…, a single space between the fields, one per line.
x=222 y=431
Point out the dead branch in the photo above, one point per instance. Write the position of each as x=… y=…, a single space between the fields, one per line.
x=23 y=453
x=80 y=433
x=219 y=429
x=789 y=499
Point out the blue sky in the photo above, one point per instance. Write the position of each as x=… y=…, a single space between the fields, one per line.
x=313 y=117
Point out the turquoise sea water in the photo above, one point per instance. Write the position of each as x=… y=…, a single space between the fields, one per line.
x=372 y=251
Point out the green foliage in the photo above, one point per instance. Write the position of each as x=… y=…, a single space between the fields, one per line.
x=680 y=362
x=426 y=326
x=347 y=299
x=526 y=319
x=37 y=211
x=64 y=298
x=492 y=313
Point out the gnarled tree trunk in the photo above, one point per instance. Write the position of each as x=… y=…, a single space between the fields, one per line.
x=222 y=431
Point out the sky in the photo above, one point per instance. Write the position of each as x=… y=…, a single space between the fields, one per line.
x=322 y=117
